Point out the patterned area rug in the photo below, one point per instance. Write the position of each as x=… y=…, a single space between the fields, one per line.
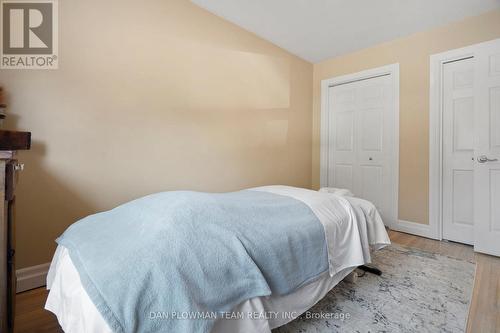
x=417 y=292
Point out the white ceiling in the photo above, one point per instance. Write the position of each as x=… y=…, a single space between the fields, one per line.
x=316 y=30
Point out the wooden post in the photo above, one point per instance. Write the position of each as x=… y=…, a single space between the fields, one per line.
x=3 y=250
x=10 y=141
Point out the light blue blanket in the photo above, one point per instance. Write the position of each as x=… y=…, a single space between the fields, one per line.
x=149 y=263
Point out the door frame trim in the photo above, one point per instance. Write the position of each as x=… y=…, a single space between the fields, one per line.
x=325 y=130
x=437 y=62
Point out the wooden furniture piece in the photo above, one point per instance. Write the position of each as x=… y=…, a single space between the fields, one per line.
x=10 y=142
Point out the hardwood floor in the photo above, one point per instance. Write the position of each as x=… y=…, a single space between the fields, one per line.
x=484 y=313
x=31 y=317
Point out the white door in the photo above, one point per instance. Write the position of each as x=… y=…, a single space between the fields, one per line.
x=362 y=141
x=487 y=150
x=458 y=151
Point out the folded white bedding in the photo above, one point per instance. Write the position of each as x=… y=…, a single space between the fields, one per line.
x=343 y=192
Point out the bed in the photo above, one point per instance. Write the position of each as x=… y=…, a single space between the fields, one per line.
x=350 y=229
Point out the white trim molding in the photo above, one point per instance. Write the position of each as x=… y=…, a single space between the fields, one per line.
x=325 y=137
x=415 y=228
x=437 y=62
x=32 y=277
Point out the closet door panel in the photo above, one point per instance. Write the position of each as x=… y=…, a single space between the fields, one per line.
x=342 y=162
x=362 y=140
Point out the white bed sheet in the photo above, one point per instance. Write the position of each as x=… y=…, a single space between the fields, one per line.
x=77 y=314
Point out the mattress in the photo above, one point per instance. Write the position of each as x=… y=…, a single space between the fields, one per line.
x=76 y=312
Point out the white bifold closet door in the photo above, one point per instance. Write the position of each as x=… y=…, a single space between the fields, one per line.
x=362 y=134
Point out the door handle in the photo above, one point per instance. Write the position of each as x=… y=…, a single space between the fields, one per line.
x=19 y=166
x=484 y=159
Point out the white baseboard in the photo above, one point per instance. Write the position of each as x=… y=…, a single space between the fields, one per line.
x=414 y=228
x=32 y=277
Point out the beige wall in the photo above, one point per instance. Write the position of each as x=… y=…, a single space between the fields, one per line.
x=412 y=53
x=152 y=96
x=163 y=95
